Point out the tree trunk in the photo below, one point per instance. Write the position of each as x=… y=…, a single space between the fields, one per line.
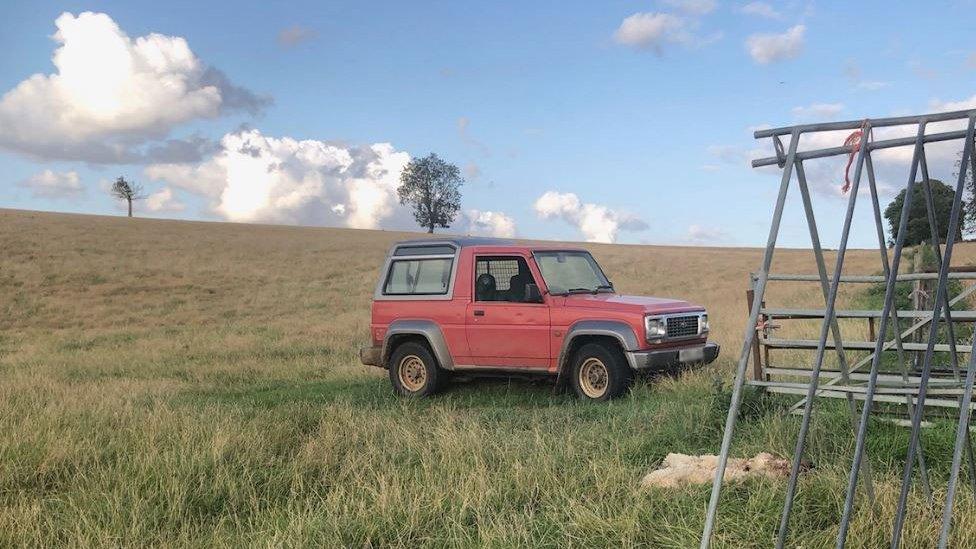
x=430 y=229
x=130 y=207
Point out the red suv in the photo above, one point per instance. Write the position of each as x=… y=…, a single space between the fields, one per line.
x=484 y=305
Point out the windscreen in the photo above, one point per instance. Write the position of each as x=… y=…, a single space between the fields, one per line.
x=567 y=271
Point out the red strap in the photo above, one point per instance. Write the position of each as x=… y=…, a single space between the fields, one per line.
x=854 y=142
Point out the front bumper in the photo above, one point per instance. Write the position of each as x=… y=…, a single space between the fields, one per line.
x=371 y=356
x=670 y=358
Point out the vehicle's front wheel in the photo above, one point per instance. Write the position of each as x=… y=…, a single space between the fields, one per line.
x=413 y=370
x=600 y=373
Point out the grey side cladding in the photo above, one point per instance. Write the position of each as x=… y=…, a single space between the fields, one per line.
x=426 y=328
x=619 y=330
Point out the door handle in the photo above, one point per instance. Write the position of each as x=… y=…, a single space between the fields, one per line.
x=479 y=312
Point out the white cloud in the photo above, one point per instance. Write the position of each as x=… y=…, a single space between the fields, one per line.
x=111 y=93
x=255 y=178
x=294 y=35
x=694 y=7
x=769 y=48
x=597 y=223
x=700 y=234
x=164 y=200
x=946 y=106
x=853 y=73
x=51 y=184
x=762 y=9
x=488 y=223
x=651 y=30
x=818 y=110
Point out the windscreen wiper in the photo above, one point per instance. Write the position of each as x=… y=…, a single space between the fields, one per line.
x=580 y=291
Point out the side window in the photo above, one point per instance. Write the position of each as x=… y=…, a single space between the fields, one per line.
x=418 y=277
x=501 y=278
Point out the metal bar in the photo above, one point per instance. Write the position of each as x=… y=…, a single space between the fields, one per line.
x=750 y=333
x=937 y=249
x=950 y=329
x=877 y=145
x=777 y=343
x=797 y=314
x=757 y=367
x=962 y=428
x=927 y=361
x=824 y=329
x=857 y=376
x=881 y=390
x=860 y=443
x=869 y=279
x=801 y=178
x=888 y=345
x=893 y=399
x=962 y=432
x=875 y=123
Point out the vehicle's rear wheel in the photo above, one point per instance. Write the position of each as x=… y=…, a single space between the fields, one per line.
x=600 y=373
x=413 y=370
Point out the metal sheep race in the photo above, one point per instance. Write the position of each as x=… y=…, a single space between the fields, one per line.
x=915 y=381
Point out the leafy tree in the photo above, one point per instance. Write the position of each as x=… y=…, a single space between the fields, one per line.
x=432 y=187
x=918 y=220
x=968 y=196
x=129 y=191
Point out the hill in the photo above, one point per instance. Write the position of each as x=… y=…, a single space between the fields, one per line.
x=190 y=383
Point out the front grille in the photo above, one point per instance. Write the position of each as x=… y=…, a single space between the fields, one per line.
x=682 y=326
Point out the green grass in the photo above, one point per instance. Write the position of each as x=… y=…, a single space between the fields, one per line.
x=210 y=395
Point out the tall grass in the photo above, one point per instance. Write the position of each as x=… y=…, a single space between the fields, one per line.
x=193 y=384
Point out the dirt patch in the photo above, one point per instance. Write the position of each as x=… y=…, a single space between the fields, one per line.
x=681 y=469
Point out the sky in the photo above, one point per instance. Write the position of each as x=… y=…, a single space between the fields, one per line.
x=613 y=121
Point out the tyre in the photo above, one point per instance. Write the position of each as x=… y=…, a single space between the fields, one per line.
x=600 y=373
x=414 y=371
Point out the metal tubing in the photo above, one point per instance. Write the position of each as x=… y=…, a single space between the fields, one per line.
x=818 y=361
x=950 y=329
x=846 y=149
x=927 y=361
x=750 y=333
x=875 y=123
x=801 y=178
x=862 y=429
x=962 y=432
x=886 y=269
x=868 y=279
x=937 y=249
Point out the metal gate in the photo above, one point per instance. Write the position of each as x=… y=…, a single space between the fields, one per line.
x=859 y=390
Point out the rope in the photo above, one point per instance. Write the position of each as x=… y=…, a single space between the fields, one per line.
x=854 y=142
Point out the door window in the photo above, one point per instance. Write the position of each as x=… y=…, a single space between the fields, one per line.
x=501 y=278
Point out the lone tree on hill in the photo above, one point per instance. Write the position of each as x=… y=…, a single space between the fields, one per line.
x=432 y=187
x=918 y=220
x=128 y=191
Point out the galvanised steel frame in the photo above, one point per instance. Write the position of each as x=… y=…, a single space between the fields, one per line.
x=791 y=160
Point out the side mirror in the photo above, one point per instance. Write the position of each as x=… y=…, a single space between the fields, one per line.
x=532 y=294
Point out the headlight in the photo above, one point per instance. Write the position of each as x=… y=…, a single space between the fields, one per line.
x=655 y=327
x=703 y=323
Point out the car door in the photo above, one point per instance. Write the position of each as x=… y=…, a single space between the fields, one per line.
x=503 y=330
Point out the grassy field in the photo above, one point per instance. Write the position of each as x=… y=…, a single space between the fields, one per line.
x=197 y=384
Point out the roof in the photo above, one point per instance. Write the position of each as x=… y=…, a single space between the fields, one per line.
x=460 y=242
x=469 y=241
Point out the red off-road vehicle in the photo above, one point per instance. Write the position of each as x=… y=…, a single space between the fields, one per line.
x=483 y=305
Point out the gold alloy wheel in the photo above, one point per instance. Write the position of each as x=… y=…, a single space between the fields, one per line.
x=412 y=373
x=593 y=378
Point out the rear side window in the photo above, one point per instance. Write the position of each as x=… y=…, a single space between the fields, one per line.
x=418 y=277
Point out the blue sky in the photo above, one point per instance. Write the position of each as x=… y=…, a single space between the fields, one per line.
x=647 y=122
